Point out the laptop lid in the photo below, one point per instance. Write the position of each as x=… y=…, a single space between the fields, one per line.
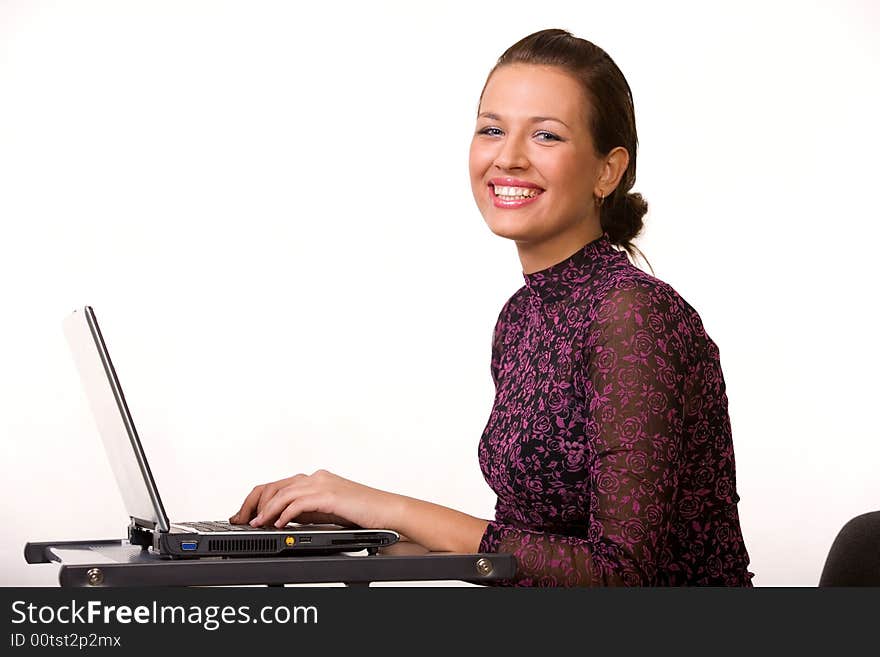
x=138 y=488
x=121 y=442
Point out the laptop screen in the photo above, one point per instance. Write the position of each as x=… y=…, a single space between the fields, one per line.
x=121 y=442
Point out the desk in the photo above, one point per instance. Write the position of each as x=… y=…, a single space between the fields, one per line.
x=107 y=563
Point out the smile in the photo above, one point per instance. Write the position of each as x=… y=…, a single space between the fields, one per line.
x=513 y=197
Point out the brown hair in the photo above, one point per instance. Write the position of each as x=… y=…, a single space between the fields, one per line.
x=612 y=118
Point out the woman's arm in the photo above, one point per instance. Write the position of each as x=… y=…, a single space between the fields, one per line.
x=437 y=527
x=326 y=497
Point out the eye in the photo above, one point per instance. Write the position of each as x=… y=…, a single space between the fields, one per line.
x=487 y=131
x=549 y=136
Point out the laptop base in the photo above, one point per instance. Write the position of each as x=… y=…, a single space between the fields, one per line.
x=301 y=540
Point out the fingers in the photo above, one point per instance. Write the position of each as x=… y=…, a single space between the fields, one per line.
x=258 y=498
x=298 y=497
x=298 y=507
x=271 y=505
x=272 y=489
x=248 y=508
x=268 y=493
x=281 y=501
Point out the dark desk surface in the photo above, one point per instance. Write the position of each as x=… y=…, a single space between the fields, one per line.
x=118 y=563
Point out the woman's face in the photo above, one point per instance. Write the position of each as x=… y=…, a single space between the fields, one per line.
x=532 y=163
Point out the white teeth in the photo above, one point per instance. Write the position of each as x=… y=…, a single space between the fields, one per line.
x=516 y=192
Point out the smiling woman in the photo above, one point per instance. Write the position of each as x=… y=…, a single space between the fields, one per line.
x=609 y=443
x=547 y=162
x=584 y=146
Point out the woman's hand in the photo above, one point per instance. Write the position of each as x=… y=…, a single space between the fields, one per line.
x=322 y=497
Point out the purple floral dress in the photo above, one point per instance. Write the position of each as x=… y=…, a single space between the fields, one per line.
x=609 y=442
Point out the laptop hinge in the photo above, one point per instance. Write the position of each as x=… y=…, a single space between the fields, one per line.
x=138 y=535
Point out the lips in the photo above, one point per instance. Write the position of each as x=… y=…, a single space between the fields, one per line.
x=514 y=182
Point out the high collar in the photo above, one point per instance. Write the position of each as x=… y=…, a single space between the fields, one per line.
x=557 y=281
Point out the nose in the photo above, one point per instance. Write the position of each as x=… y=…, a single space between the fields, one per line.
x=511 y=155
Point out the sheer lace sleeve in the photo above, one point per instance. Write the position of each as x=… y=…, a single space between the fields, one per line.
x=498 y=338
x=637 y=359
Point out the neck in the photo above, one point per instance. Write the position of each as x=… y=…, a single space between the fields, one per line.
x=535 y=256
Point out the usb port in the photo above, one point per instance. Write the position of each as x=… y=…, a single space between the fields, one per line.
x=189 y=546
x=305 y=539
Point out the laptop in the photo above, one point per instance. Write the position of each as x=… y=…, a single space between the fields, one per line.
x=150 y=526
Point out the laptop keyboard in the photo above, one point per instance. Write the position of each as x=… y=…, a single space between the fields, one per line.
x=218 y=526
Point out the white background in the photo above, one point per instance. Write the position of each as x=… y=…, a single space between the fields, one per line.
x=268 y=205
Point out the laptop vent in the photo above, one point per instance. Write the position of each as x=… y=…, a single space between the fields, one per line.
x=242 y=545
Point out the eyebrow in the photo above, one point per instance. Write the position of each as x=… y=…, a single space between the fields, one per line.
x=534 y=119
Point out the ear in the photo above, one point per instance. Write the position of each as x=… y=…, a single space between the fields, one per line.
x=611 y=171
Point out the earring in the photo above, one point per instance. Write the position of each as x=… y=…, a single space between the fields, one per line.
x=600 y=200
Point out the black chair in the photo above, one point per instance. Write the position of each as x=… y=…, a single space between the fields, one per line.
x=854 y=557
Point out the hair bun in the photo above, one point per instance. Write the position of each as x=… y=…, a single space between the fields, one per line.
x=622 y=218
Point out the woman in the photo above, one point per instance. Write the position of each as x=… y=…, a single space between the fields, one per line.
x=609 y=442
